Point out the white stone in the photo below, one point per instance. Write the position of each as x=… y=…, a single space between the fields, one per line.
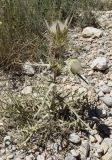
x=106 y=144
x=27 y=90
x=41 y=157
x=74 y=138
x=29 y=70
x=30 y=157
x=100 y=94
x=100 y=64
x=2 y=151
x=90 y=73
x=35 y=94
x=105 y=88
x=111 y=93
x=17 y=158
x=70 y=157
x=107 y=100
x=84 y=149
x=75 y=153
x=92 y=32
x=10 y=156
x=110 y=83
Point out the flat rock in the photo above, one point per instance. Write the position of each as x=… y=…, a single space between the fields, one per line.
x=29 y=157
x=18 y=158
x=100 y=64
x=41 y=157
x=106 y=144
x=74 y=138
x=105 y=88
x=70 y=157
x=100 y=94
x=92 y=32
x=55 y=147
x=10 y=156
x=75 y=153
x=29 y=70
x=2 y=151
x=107 y=100
x=84 y=149
x=27 y=90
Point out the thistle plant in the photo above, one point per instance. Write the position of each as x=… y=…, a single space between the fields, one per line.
x=57 y=36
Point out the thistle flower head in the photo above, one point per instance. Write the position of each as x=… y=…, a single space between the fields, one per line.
x=57 y=37
x=58 y=26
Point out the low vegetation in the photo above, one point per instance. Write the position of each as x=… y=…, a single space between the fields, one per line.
x=30 y=31
x=22 y=26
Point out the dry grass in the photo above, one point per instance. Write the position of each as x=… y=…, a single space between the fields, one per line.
x=38 y=118
x=22 y=30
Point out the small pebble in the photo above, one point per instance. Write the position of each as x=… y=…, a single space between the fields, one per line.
x=70 y=157
x=106 y=144
x=2 y=151
x=107 y=100
x=100 y=94
x=110 y=83
x=40 y=157
x=10 y=156
x=29 y=70
x=75 y=153
x=84 y=149
x=105 y=88
x=18 y=158
x=74 y=138
x=13 y=148
x=29 y=157
x=27 y=90
x=55 y=147
x=100 y=64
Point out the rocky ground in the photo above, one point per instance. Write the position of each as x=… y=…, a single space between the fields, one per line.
x=94 y=48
